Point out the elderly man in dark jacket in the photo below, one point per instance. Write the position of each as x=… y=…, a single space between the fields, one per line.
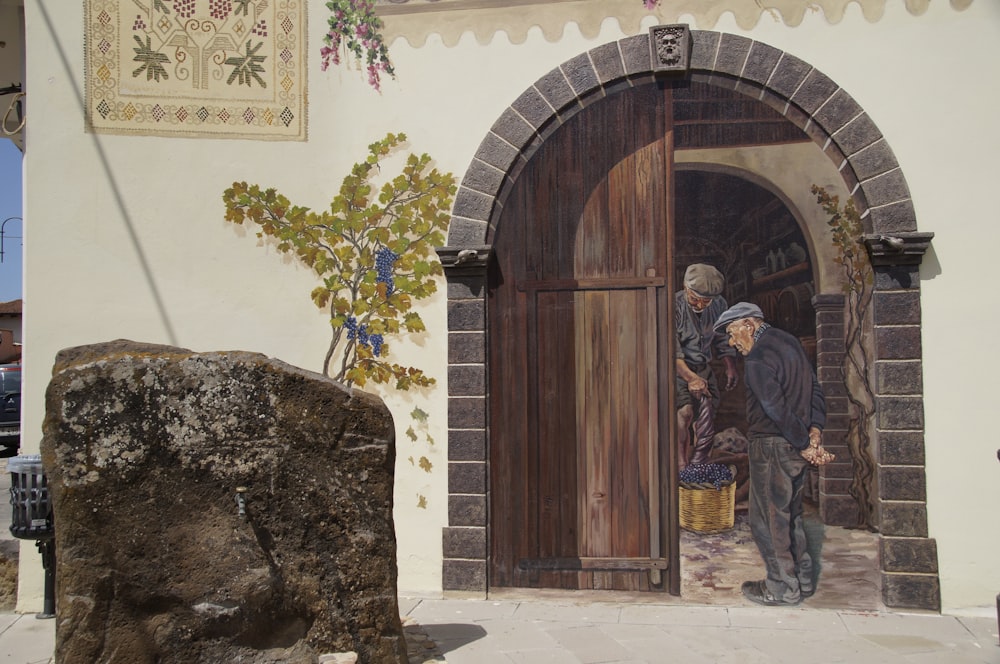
x=786 y=412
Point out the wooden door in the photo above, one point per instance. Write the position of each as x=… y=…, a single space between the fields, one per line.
x=579 y=357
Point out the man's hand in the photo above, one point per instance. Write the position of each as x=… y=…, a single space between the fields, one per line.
x=731 y=374
x=815 y=454
x=698 y=386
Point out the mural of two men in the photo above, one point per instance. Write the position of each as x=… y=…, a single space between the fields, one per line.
x=785 y=414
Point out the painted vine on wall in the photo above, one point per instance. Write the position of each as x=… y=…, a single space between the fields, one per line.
x=372 y=248
x=858 y=281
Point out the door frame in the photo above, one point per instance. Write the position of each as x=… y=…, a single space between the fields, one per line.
x=835 y=121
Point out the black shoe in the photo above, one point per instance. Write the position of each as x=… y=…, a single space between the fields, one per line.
x=756 y=591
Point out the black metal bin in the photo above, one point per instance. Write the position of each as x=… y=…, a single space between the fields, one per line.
x=31 y=517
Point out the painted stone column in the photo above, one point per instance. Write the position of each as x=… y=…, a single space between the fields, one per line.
x=908 y=555
x=464 y=539
x=836 y=505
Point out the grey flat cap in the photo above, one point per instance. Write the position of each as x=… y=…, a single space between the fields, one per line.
x=736 y=312
x=704 y=279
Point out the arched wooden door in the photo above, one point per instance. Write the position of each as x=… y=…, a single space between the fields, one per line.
x=580 y=490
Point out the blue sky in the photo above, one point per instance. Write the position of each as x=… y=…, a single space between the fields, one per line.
x=10 y=206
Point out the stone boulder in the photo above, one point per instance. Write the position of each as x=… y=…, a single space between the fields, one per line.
x=217 y=507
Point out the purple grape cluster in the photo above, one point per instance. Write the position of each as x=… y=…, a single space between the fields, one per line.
x=184 y=8
x=385 y=258
x=260 y=28
x=707 y=473
x=360 y=332
x=220 y=9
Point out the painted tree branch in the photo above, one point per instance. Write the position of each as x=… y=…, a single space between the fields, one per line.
x=374 y=251
x=847 y=231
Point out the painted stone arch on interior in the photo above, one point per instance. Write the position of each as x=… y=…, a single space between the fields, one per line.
x=866 y=168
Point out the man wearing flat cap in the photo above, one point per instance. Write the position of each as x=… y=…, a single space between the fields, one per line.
x=697 y=306
x=786 y=412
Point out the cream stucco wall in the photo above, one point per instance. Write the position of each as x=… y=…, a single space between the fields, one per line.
x=125 y=235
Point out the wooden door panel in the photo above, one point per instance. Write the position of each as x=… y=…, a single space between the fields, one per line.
x=577 y=318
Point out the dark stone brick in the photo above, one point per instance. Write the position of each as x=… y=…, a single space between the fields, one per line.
x=514 y=129
x=533 y=107
x=886 y=189
x=466 y=413
x=837 y=156
x=473 y=204
x=902 y=483
x=465 y=542
x=466 y=347
x=733 y=52
x=818 y=134
x=829 y=345
x=828 y=373
x=580 y=74
x=467 y=445
x=837 y=112
x=466 y=380
x=635 y=54
x=874 y=160
x=788 y=75
x=836 y=420
x=467 y=575
x=893 y=218
x=466 y=286
x=483 y=178
x=838 y=510
x=466 y=510
x=798 y=117
x=893 y=277
x=908 y=554
x=897 y=343
x=831 y=359
x=911 y=591
x=899 y=412
x=904 y=519
x=901 y=447
x=607 y=63
x=704 y=46
x=899 y=377
x=760 y=63
x=814 y=91
x=496 y=152
x=828 y=301
x=466 y=477
x=858 y=134
x=467 y=315
x=835 y=404
x=842 y=468
x=835 y=486
x=466 y=232
x=555 y=89
x=897 y=308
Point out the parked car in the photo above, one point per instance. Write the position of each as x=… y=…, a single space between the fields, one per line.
x=10 y=409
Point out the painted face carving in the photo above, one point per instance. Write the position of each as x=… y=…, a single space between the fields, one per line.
x=741 y=335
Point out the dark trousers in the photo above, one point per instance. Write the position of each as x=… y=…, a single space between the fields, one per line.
x=777 y=476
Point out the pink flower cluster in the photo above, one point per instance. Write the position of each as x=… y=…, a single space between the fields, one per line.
x=354 y=27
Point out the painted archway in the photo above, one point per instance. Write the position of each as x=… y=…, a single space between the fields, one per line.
x=836 y=122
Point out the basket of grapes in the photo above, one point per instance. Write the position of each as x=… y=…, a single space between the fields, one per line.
x=707 y=494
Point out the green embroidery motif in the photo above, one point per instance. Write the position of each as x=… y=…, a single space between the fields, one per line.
x=247 y=67
x=152 y=61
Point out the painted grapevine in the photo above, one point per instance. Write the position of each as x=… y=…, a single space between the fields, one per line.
x=373 y=249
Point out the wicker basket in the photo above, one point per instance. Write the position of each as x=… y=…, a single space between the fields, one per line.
x=705 y=509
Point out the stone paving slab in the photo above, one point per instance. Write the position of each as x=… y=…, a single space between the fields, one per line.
x=466 y=631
